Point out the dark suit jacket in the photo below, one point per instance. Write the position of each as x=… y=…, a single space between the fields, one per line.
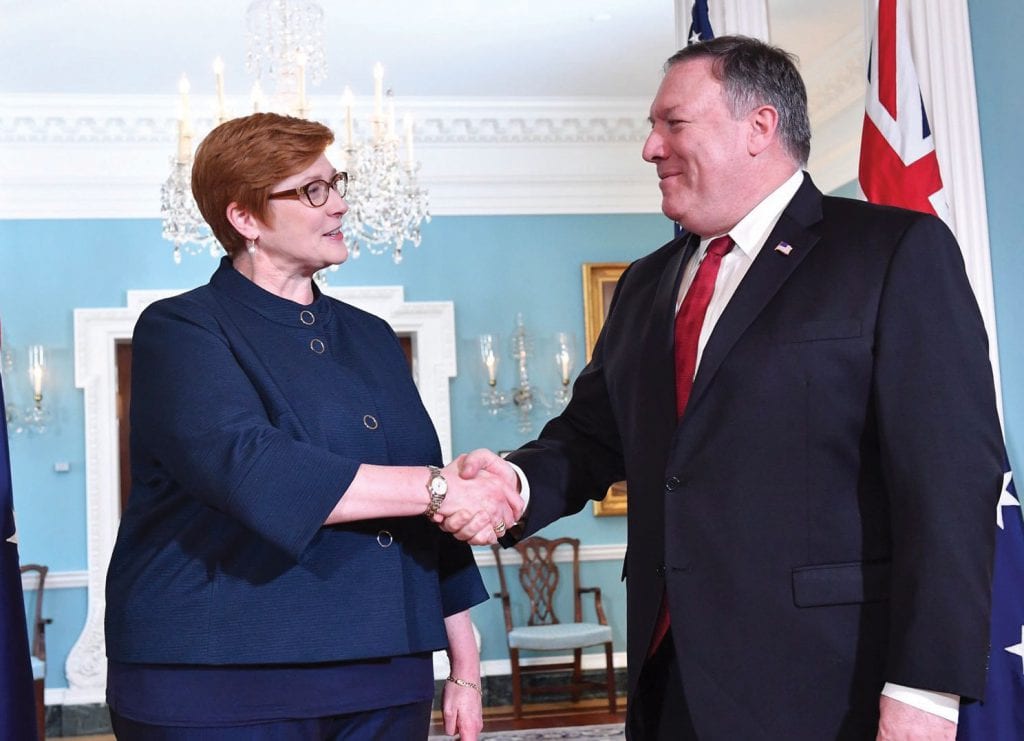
x=822 y=517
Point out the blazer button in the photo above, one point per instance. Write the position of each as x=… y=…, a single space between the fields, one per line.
x=385 y=539
x=306 y=317
x=672 y=483
x=660 y=571
x=317 y=345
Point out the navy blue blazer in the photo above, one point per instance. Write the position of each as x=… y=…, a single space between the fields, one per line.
x=250 y=415
x=822 y=516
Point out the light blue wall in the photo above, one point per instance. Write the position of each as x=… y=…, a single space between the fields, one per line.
x=491 y=267
x=996 y=28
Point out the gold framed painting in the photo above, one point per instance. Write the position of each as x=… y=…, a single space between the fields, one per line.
x=599 y=281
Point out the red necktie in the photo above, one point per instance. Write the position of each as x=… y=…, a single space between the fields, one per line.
x=689 y=320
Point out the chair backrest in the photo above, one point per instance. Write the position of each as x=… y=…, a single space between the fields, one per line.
x=539 y=577
x=38 y=622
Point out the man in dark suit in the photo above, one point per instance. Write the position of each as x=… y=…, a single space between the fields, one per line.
x=805 y=416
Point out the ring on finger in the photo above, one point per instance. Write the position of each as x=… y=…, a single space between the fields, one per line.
x=500 y=527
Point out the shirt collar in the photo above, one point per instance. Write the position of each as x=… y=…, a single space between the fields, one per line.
x=753 y=229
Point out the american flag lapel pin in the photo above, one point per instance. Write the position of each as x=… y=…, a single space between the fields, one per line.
x=784 y=248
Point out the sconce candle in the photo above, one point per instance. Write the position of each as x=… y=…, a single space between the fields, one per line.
x=35 y=418
x=492 y=399
x=565 y=354
x=36 y=367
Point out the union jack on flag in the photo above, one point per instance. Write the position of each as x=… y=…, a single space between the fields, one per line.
x=898 y=166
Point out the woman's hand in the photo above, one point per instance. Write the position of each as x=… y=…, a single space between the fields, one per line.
x=463 y=711
x=462 y=704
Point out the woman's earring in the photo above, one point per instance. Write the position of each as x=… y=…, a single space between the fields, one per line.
x=250 y=244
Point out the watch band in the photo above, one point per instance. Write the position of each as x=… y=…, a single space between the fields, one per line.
x=437 y=487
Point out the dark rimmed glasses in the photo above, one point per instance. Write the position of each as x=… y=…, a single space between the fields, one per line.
x=316 y=193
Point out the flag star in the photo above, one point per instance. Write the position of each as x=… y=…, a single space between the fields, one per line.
x=1006 y=499
x=694 y=37
x=1018 y=649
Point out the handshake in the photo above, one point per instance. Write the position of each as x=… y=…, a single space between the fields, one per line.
x=483 y=498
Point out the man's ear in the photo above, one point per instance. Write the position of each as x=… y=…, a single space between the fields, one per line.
x=764 y=124
x=244 y=221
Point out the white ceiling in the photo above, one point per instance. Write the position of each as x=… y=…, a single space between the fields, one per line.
x=494 y=48
x=455 y=48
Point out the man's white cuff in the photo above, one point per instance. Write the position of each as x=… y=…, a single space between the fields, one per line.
x=941 y=704
x=524 y=485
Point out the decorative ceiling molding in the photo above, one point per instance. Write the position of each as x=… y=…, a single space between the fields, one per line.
x=150 y=119
x=480 y=156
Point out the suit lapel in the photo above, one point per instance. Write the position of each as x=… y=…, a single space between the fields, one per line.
x=766 y=275
x=660 y=344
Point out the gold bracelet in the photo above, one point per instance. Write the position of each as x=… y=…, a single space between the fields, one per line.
x=464 y=683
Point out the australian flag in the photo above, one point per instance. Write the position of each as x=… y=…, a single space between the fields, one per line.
x=17 y=703
x=700 y=30
x=1001 y=716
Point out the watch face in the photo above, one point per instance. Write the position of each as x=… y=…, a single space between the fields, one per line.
x=438 y=485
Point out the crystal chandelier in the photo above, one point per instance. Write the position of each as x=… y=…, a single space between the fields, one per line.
x=386 y=203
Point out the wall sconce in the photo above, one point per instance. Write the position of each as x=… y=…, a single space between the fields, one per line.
x=526 y=397
x=36 y=417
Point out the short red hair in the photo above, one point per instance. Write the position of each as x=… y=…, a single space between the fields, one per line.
x=241 y=160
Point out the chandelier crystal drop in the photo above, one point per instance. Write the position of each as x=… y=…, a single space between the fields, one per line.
x=285 y=43
x=183 y=225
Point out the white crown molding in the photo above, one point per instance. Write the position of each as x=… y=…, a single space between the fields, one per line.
x=431 y=325
x=478 y=156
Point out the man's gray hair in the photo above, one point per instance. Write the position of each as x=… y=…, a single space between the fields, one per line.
x=754 y=73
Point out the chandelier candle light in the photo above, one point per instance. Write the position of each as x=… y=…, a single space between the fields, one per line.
x=386 y=203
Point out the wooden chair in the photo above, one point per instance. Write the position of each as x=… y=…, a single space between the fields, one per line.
x=38 y=646
x=539 y=578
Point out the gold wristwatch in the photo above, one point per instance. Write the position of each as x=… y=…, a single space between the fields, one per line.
x=437 y=487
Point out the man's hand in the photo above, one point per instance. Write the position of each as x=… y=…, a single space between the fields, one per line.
x=902 y=722
x=483 y=498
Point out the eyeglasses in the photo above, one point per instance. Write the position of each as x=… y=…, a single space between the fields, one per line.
x=316 y=193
